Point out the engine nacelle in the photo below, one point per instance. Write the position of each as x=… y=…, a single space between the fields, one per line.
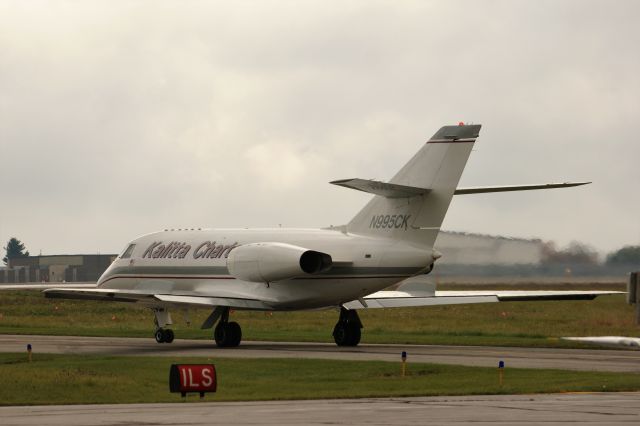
x=268 y=262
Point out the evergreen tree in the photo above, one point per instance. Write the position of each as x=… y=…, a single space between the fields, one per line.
x=15 y=249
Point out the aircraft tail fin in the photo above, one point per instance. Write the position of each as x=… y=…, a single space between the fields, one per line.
x=412 y=205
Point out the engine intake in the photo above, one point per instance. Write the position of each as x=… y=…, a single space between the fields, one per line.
x=268 y=262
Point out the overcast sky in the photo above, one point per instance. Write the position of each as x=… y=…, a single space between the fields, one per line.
x=122 y=118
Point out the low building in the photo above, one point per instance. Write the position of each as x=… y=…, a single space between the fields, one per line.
x=56 y=268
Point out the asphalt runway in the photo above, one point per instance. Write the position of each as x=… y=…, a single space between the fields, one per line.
x=488 y=356
x=555 y=409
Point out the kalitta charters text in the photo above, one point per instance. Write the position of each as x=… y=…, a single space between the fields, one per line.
x=179 y=250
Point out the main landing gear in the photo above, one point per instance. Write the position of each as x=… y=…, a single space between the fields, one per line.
x=347 y=330
x=227 y=334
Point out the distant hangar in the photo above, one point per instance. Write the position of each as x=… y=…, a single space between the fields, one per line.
x=56 y=268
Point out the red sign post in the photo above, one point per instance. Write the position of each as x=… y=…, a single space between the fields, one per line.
x=198 y=378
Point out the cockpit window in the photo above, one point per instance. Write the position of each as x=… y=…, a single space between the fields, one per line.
x=127 y=253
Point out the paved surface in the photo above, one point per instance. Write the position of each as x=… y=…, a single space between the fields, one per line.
x=568 y=359
x=591 y=408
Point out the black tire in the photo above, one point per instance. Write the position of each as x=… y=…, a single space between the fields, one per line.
x=227 y=335
x=346 y=334
x=340 y=335
x=221 y=335
x=355 y=335
x=236 y=334
x=168 y=335
x=159 y=335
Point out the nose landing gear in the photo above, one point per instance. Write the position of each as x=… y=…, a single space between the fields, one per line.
x=164 y=335
x=162 y=319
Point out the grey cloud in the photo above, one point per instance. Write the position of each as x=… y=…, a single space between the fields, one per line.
x=119 y=119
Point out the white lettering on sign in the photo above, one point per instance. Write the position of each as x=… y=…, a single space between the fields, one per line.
x=183 y=373
x=206 y=377
x=196 y=378
x=191 y=383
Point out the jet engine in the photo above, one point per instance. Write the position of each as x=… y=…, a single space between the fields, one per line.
x=268 y=262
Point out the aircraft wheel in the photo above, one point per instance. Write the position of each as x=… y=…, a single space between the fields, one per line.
x=355 y=335
x=220 y=334
x=160 y=335
x=346 y=334
x=236 y=332
x=168 y=335
x=227 y=335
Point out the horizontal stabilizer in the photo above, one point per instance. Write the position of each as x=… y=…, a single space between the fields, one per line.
x=508 y=188
x=388 y=190
x=397 y=299
x=392 y=190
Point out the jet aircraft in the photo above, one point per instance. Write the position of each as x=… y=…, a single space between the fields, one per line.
x=388 y=243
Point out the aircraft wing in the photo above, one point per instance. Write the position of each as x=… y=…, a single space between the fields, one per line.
x=397 y=299
x=149 y=298
x=392 y=190
x=610 y=341
x=46 y=286
x=385 y=189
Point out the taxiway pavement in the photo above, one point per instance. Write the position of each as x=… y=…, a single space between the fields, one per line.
x=553 y=409
x=487 y=356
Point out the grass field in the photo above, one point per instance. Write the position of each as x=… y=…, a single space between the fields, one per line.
x=65 y=379
x=511 y=324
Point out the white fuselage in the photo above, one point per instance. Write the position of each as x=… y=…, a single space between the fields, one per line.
x=194 y=263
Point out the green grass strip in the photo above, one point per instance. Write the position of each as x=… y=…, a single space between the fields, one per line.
x=75 y=379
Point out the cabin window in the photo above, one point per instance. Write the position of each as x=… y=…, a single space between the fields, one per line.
x=127 y=253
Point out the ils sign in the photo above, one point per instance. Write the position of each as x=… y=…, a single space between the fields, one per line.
x=198 y=378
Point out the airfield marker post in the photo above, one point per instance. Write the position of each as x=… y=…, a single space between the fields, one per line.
x=633 y=293
x=501 y=372
x=404 y=363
